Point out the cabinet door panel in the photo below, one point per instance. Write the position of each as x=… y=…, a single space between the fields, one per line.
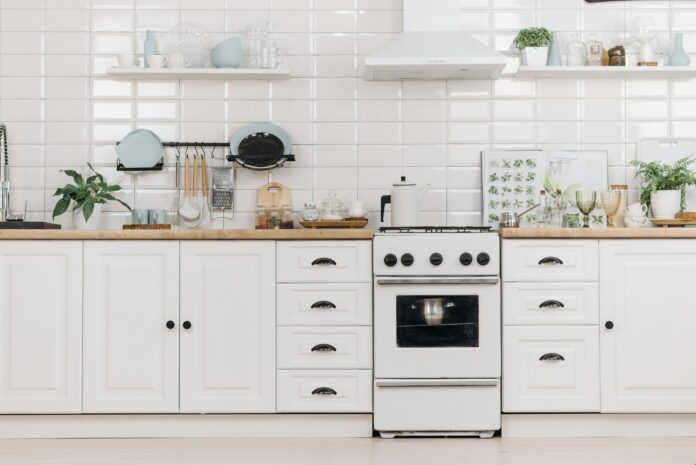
x=228 y=355
x=647 y=290
x=40 y=327
x=131 y=358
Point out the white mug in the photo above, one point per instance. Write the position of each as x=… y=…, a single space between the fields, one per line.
x=636 y=210
x=357 y=209
x=176 y=61
x=128 y=60
x=156 y=61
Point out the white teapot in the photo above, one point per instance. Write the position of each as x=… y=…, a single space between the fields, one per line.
x=405 y=200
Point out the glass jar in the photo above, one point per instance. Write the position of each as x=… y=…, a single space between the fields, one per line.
x=595 y=51
x=274 y=220
x=287 y=220
x=332 y=208
x=577 y=52
x=262 y=218
x=311 y=212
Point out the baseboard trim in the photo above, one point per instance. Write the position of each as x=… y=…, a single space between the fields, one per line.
x=598 y=425
x=185 y=426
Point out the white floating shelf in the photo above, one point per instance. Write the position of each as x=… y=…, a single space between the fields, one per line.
x=605 y=72
x=197 y=73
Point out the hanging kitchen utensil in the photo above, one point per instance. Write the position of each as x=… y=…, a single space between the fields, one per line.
x=261 y=146
x=140 y=150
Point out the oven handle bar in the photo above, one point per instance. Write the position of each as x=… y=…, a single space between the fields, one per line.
x=436 y=280
x=436 y=382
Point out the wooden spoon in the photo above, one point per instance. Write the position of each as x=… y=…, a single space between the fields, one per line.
x=188 y=211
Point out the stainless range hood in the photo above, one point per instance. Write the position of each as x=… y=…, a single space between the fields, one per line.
x=432 y=46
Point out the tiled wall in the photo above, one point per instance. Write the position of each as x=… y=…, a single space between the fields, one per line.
x=352 y=136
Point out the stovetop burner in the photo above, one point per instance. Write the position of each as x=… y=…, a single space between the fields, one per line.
x=437 y=229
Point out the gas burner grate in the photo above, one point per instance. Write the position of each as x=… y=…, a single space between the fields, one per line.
x=437 y=229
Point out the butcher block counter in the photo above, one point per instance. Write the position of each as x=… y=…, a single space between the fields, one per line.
x=202 y=235
x=598 y=233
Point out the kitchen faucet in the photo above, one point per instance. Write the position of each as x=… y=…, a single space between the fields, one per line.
x=4 y=175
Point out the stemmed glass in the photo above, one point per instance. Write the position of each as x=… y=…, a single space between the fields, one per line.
x=610 y=203
x=586 y=203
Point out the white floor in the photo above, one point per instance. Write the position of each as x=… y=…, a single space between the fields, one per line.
x=636 y=451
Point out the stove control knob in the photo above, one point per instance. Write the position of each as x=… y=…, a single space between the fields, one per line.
x=483 y=259
x=407 y=259
x=391 y=260
x=436 y=259
x=466 y=259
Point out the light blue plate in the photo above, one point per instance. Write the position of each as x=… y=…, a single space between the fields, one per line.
x=141 y=148
x=254 y=128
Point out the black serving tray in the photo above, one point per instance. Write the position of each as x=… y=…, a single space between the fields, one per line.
x=28 y=225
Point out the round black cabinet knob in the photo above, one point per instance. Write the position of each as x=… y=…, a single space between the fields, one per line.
x=466 y=259
x=483 y=259
x=436 y=259
x=187 y=325
x=170 y=324
x=609 y=325
x=391 y=260
x=407 y=259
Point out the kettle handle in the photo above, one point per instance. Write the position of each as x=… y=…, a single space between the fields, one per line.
x=386 y=199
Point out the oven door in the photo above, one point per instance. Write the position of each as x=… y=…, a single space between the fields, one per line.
x=439 y=327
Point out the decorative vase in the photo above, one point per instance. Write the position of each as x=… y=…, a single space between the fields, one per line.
x=665 y=204
x=94 y=221
x=554 y=57
x=534 y=56
x=679 y=56
x=150 y=47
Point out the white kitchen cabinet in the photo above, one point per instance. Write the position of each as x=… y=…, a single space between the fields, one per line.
x=40 y=327
x=558 y=260
x=131 y=357
x=324 y=261
x=228 y=353
x=648 y=294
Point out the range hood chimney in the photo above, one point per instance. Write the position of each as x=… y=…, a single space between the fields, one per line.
x=433 y=46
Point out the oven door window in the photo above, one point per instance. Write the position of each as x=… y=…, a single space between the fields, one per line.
x=437 y=321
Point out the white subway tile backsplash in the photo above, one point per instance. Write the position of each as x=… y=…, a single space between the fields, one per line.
x=351 y=136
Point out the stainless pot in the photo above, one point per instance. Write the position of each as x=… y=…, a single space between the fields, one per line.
x=434 y=310
x=512 y=220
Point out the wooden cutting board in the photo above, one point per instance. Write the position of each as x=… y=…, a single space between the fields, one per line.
x=274 y=194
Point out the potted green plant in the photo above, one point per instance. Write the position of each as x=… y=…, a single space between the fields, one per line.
x=533 y=43
x=663 y=185
x=87 y=196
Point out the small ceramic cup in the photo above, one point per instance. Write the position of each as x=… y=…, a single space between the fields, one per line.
x=128 y=60
x=140 y=216
x=157 y=216
x=176 y=61
x=636 y=210
x=156 y=61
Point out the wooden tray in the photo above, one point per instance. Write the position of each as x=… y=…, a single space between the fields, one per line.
x=142 y=227
x=686 y=216
x=676 y=223
x=353 y=224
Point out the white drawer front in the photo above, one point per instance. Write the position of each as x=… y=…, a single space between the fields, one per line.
x=325 y=261
x=550 y=260
x=551 y=369
x=551 y=303
x=325 y=304
x=325 y=391
x=333 y=348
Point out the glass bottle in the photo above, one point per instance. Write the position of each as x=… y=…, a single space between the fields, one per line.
x=311 y=212
x=577 y=52
x=559 y=208
x=287 y=220
x=544 y=211
x=262 y=218
x=595 y=51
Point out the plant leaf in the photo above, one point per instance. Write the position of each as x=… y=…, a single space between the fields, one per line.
x=61 y=206
x=88 y=208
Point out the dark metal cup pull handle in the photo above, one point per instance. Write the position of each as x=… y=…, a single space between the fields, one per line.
x=554 y=357
x=551 y=304
x=323 y=305
x=324 y=391
x=550 y=261
x=323 y=262
x=323 y=348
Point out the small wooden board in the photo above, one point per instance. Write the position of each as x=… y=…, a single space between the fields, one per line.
x=143 y=227
x=686 y=216
x=676 y=223
x=353 y=224
x=274 y=194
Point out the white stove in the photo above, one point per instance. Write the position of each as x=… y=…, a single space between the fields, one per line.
x=437 y=331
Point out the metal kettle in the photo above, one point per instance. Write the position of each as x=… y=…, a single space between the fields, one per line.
x=405 y=199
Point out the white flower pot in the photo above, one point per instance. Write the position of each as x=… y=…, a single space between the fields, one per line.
x=535 y=56
x=665 y=204
x=94 y=220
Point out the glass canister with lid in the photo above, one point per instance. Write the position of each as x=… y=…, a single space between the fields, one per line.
x=332 y=208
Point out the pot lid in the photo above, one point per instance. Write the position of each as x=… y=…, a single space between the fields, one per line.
x=404 y=183
x=261 y=146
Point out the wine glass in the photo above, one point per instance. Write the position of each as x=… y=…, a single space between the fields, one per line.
x=586 y=203
x=610 y=203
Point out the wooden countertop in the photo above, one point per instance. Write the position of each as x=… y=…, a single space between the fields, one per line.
x=598 y=233
x=201 y=235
